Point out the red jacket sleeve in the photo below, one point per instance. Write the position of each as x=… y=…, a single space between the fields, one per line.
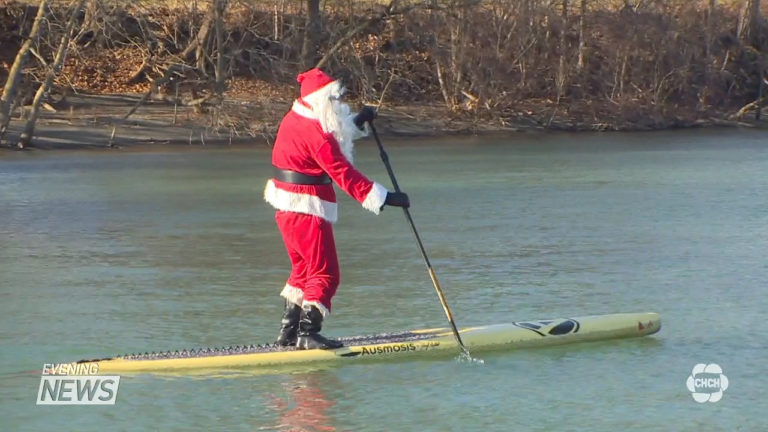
x=330 y=158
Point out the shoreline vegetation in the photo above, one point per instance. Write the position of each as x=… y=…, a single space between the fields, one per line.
x=110 y=74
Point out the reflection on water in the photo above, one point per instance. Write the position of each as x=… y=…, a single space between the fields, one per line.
x=303 y=405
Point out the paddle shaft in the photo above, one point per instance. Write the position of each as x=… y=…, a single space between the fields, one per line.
x=432 y=275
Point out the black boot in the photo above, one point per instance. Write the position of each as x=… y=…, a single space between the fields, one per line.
x=309 y=331
x=289 y=325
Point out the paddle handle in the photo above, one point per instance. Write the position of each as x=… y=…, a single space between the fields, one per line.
x=432 y=275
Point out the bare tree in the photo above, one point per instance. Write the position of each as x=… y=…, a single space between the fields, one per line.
x=709 y=29
x=387 y=12
x=221 y=79
x=50 y=75
x=312 y=31
x=198 y=43
x=708 y=38
x=9 y=90
x=451 y=61
x=582 y=36
x=562 y=78
x=751 y=23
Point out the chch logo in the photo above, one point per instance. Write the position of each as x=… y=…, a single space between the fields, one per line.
x=707 y=382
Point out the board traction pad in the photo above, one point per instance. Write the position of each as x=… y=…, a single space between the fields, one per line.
x=381 y=338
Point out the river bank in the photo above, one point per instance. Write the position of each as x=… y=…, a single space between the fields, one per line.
x=484 y=68
x=85 y=121
x=99 y=122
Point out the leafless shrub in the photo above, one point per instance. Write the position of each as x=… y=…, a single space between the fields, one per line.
x=595 y=62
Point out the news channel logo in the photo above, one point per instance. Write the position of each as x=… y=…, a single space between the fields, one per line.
x=707 y=382
x=76 y=384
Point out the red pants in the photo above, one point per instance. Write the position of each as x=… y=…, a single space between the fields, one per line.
x=312 y=250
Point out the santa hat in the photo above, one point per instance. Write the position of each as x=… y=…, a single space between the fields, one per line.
x=312 y=81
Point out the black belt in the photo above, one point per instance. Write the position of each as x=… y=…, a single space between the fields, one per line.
x=293 y=177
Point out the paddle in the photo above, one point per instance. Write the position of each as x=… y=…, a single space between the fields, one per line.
x=385 y=159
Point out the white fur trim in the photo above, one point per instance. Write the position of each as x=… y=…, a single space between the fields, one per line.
x=300 y=203
x=375 y=199
x=303 y=110
x=323 y=310
x=292 y=294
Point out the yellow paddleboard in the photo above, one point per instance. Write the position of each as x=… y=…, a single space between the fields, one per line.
x=520 y=334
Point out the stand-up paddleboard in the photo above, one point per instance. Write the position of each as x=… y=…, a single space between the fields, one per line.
x=521 y=334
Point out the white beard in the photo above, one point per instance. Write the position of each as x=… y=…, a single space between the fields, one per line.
x=335 y=118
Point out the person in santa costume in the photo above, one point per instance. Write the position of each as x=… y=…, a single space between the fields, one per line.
x=313 y=150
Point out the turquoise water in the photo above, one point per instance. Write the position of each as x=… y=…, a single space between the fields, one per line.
x=115 y=252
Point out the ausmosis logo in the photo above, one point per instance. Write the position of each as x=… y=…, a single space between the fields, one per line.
x=76 y=384
x=707 y=382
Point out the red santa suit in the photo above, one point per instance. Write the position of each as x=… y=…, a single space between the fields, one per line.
x=315 y=139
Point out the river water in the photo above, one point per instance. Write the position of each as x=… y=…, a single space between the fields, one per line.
x=118 y=252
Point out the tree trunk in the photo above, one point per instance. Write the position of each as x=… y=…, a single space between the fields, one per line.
x=441 y=80
x=198 y=43
x=15 y=72
x=94 y=23
x=748 y=30
x=582 y=42
x=754 y=21
x=53 y=70
x=311 y=34
x=709 y=29
x=278 y=21
x=708 y=38
x=221 y=79
x=561 y=80
x=457 y=56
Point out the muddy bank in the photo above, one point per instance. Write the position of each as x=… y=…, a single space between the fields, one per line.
x=98 y=122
